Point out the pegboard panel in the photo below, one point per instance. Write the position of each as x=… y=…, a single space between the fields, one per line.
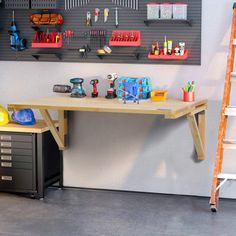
x=43 y=4
x=129 y=19
x=17 y=4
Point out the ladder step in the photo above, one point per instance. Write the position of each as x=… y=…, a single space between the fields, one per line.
x=229 y=144
x=230 y=111
x=233 y=74
x=234 y=42
x=227 y=176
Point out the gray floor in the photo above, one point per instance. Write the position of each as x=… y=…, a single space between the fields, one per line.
x=107 y=213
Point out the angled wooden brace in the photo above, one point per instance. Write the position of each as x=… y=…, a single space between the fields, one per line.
x=198 y=131
x=59 y=135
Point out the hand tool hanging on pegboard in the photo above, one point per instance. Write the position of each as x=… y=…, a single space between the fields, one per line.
x=116 y=16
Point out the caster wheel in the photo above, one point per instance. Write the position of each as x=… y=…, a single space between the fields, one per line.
x=32 y=196
x=213 y=208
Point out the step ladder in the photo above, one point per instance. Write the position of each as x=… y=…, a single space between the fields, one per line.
x=226 y=110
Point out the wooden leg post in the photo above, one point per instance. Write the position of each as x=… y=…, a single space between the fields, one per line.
x=58 y=135
x=63 y=125
x=198 y=133
x=202 y=127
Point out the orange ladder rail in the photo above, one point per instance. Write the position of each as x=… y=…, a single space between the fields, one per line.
x=224 y=118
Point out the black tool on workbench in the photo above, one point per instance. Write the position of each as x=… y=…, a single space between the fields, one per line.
x=94 y=83
x=61 y=88
x=77 y=91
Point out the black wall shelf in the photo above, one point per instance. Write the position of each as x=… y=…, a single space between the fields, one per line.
x=47 y=56
x=170 y=21
x=120 y=55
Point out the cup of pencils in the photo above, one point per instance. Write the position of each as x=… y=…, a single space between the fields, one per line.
x=188 y=92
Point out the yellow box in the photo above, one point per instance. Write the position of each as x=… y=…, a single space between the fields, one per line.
x=159 y=95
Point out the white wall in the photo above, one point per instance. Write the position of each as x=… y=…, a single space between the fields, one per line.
x=135 y=152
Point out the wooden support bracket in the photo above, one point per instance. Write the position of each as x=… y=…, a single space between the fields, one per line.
x=198 y=131
x=59 y=135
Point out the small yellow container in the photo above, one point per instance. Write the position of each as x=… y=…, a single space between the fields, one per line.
x=159 y=95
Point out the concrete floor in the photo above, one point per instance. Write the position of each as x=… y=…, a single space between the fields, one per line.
x=107 y=213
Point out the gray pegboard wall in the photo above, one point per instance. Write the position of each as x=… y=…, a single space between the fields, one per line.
x=128 y=19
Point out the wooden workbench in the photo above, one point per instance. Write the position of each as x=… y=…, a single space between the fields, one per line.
x=171 y=109
x=39 y=128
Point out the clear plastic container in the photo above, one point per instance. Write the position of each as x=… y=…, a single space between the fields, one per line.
x=180 y=11
x=153 y=11
x=166 y=11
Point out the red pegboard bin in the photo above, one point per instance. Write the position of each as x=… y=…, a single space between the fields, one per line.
x=169 y=57
x=130 y=38
x=36 y=44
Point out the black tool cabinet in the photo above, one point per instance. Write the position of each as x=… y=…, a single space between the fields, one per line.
x=29 y=162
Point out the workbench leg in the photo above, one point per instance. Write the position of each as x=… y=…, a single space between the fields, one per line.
x=63 y=125
x=202 y=127
x=58 y=136
x=198 y=133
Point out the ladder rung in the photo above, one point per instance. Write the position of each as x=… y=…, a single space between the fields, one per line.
x=233 y=74
x=234 y=42
x=229 y=144
x=227 y=176
x=230 y=111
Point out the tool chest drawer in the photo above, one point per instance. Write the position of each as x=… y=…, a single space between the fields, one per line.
x=14 y=137
x=16 y=165
x=16 y=151
x=16 y=179
x=16 y=145
x=16 y=158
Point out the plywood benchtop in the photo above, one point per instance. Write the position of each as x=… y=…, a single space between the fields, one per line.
x=171 y=109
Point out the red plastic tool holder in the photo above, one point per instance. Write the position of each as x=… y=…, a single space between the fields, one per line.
x=48 y=45
x=169 y=57
x=131 y=38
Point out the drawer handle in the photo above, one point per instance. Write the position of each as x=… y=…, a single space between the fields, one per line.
x=6 y=164
x=6 y=178
x=6 y=158
x=6 y=151
x=6 y=144
x=5 y=137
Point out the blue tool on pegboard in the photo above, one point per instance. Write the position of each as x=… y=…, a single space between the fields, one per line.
x=134 y=89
